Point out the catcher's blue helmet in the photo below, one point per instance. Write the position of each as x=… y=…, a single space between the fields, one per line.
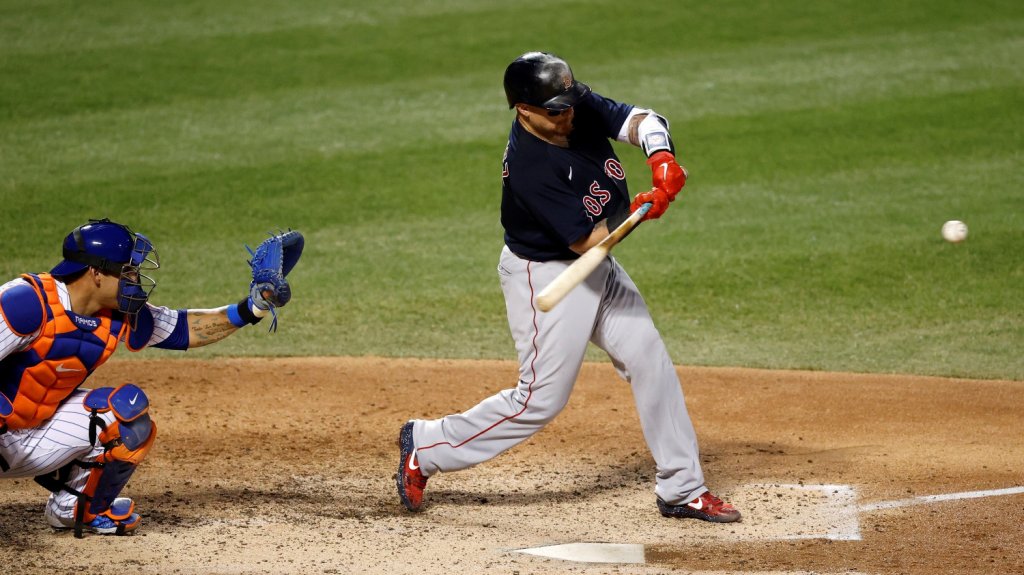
x=544 y=80
x=116 y=250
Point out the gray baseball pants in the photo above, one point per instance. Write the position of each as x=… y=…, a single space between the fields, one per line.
x=605 y=309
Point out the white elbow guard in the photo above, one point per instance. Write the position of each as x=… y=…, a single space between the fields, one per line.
x=653 y=135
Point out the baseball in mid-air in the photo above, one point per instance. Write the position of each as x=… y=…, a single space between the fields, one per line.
x=954 y=231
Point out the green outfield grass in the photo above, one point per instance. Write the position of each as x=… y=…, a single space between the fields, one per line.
x=827 y=143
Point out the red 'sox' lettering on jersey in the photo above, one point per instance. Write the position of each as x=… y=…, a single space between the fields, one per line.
x=613 y=168
x=594 y=202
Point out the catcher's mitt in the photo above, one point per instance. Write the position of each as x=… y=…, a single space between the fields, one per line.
x=270 y=263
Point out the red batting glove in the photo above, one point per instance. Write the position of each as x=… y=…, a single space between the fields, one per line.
x=659 y=203
x=666 y=173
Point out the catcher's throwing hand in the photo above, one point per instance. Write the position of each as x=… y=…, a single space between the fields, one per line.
x=271 y=262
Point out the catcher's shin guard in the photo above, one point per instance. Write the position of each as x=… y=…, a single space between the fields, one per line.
x=126 y=442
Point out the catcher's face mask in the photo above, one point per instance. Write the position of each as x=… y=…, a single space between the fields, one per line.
x=135 y=286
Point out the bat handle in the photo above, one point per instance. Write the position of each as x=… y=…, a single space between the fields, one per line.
x=588 y=262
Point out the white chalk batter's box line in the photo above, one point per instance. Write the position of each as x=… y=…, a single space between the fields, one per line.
x=843 y=512
x=837 y=516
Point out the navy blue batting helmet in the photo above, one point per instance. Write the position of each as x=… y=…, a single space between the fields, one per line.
x=116 y=250
x=544 y=80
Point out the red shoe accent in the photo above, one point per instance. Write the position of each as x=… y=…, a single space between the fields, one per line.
x=707 y=507
x=411 y=481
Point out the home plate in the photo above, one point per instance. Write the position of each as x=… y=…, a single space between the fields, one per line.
x=590 y=552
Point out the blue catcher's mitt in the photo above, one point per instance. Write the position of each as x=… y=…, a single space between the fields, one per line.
x=271 y=262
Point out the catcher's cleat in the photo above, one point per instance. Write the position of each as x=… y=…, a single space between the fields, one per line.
x=106 y=526
x=410 y=480
x=119 y=519
x=707 y=507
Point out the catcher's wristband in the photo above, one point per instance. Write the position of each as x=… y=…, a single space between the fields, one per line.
x=245 y=313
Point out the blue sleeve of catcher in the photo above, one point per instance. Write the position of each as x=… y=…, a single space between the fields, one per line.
x=178 y=339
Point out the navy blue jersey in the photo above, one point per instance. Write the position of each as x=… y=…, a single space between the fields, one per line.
x=552 y=196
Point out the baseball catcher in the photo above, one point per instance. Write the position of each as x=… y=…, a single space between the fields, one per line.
x=57 y=328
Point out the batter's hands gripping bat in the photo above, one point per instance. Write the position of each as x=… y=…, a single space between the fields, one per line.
x=578 y=271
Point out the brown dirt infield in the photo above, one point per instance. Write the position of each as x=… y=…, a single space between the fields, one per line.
x=286 y=466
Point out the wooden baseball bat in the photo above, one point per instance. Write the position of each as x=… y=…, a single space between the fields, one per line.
x=578 y=271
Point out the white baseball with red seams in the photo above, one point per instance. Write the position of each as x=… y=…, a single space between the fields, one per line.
x=954 y=231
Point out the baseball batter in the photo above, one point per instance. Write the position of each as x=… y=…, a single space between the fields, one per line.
x=563 y=191
x=57 y=328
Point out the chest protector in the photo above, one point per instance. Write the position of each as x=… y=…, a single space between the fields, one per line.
x=69 y=348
